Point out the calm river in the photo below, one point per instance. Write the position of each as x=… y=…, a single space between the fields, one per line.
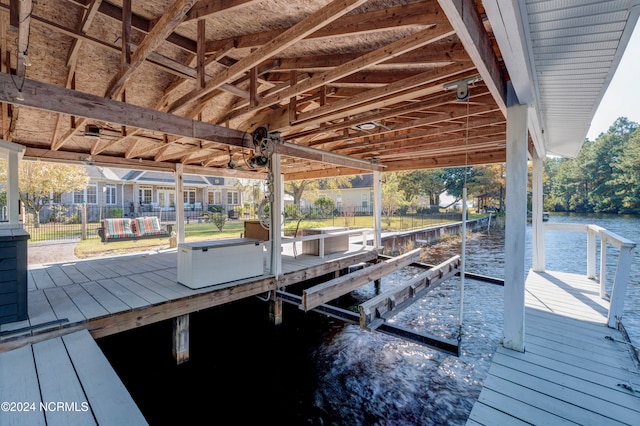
x=315 y=370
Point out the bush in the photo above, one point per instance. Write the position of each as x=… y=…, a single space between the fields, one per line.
x=116 y=213
x=324 y=204
x=214 y=208
x=218 y=220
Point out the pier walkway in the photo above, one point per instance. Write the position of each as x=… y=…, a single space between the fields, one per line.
x=114 y=294
x=575 y=369
x=63 y=381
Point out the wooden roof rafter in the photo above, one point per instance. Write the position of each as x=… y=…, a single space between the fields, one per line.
x=164 y=27
x=397 y=48
x=307 y=26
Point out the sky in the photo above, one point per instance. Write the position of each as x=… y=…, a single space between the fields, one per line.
x=622 y=98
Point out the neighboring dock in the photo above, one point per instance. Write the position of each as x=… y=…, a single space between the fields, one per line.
x=575 y=369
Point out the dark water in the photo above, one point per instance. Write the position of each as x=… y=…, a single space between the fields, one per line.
x=314 y=370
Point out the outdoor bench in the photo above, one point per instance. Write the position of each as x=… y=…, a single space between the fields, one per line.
x=125 y=229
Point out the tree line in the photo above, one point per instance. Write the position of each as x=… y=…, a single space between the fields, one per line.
x=603 y=178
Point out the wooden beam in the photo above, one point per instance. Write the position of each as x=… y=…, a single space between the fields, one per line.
x=87 y=19
x=38 y=154
x=125 y=57
x=496 y=156
x=206 y=8
x=325 y=292
x=180 y=339
x=331 y=111
x=200 y=60
x=464 y=16
x=145 y=25
x=391 y=50
x=115 y=141
x=315 y=21
x=325 y=157
x=53 y=98
x=326 y=172
x=163 y=28
x=375 y=311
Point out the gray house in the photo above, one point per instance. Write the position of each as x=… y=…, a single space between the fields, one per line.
x=114 y=192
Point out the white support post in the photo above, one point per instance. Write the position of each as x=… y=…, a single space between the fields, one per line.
x=136 y=200
x=603 y=266
x=619 y=290
x=537 y=208
x=276 y=211
x=179 y=202
x=515 y=227
x=13 y=194
x=12 y=153
x=377 y=210
x=591 y=254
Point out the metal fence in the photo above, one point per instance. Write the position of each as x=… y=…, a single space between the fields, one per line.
x=64 y=222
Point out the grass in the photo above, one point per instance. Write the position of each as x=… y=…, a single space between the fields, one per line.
x=93 y=247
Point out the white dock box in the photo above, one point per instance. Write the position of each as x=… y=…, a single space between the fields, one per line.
x=207 y=263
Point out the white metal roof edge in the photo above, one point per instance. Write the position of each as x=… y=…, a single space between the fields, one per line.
x=510 y=24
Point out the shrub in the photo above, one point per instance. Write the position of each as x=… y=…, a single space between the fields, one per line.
x=218 y=220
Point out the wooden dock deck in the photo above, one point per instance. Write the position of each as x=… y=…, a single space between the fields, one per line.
x=63 y=381
x=110 y=295
x=575 y=369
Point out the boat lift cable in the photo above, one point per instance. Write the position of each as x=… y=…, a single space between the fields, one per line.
x=464 y=225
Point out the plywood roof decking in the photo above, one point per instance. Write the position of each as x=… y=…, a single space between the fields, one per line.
x=312 y=70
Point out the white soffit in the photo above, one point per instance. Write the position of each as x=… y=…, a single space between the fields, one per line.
x=572 y=49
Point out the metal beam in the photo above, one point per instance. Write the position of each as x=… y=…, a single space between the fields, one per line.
x=447 y=346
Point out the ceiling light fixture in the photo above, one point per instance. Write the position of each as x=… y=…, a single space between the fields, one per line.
x=92 y=131
x=367 y=126
x=25 y=59
x=20 y=96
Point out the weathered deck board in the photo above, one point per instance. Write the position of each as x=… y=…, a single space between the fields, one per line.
x=19 y=383
x=39 y=308
x=62 y=304
x=127 y=296
x=71 y=370
x=57 y=275
x=110 y=401
x=74 y=273
x=92 y=271
x=58 y=382
x=150 y=296
x=41 y=278
x=569 y=373
x=110 y=302
x=151 y=285
x=85 y=302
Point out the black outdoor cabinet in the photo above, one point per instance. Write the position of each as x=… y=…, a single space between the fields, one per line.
x=13 y=275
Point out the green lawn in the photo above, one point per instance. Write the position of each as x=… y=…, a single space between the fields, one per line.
x=92 y=246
